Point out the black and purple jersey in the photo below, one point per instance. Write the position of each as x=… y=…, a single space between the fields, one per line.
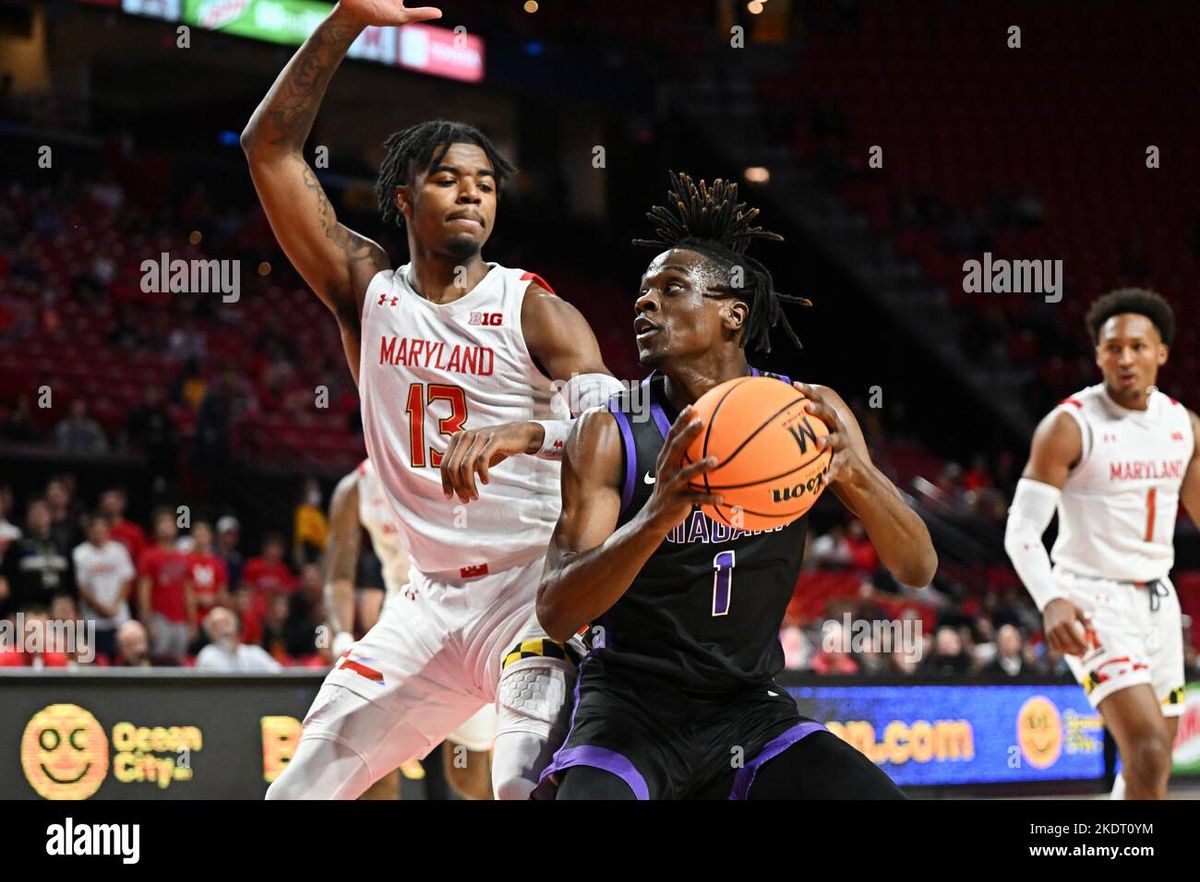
x=704 y=612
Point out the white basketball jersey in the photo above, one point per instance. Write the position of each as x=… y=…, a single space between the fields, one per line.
x=375 y=514
x=427 y=370
x=1116 y=515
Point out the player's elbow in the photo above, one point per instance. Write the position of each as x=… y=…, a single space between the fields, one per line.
x=915 y=561
x=255 y=145
x=922 y=568
x=249 y=139
x=550 y=613
x=1016 y=536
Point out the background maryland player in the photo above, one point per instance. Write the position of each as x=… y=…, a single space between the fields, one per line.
x=1114 y=460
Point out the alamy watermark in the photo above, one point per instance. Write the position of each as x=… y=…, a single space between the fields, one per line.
x=583 y=391
x=1001 y=276
x=36 y=635
x=178 y=276
x=902 y=636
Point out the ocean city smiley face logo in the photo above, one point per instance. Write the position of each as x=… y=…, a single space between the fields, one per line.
x=64 y=752
x=1040 y=732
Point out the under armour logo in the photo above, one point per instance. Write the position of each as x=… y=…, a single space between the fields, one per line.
x=1177 y=436
x=1108 y=436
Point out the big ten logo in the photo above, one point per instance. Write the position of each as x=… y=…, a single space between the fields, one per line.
x=154 y=754
x=64 y=752
x=280 y=735
x=487 y=319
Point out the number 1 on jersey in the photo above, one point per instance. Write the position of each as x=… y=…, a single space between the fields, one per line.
x=1149 y=537
x=722 y=582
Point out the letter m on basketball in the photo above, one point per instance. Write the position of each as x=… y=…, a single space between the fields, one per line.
x=803 y=433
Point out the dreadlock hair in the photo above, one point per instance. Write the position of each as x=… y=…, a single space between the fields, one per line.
x=1136 y=300
x=710 y=220
x=422 y=146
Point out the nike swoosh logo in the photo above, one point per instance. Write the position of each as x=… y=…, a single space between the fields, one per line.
x=648 y=478
x=772 y=694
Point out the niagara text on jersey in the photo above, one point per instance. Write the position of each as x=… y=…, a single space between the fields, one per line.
x=1118 y=507
x=428 y=370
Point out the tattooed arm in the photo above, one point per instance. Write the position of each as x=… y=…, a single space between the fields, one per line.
x=336 y=262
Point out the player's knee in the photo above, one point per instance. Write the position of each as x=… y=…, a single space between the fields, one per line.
x=536 y=690
x=1149 y=759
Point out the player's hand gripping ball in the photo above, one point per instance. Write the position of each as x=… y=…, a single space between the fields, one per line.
x=771 y=467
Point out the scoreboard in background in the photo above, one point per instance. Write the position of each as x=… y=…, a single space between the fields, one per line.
x=453 y=54
x=938 y=735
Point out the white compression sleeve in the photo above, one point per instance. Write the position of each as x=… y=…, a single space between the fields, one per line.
x=1032 y=508
x=581 y=392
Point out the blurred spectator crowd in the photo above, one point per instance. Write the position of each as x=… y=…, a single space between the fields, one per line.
x=157 y=593
x=848 y=616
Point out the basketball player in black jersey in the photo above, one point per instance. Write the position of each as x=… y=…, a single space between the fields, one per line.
x=677 y=698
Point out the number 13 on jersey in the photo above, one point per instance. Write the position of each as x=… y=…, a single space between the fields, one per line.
x=418 y=400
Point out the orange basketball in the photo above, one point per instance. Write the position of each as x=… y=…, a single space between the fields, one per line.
x=769 y=468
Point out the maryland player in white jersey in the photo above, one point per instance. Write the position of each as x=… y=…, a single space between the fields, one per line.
x=443 y=344
x=360 y=502
x=1115 y=460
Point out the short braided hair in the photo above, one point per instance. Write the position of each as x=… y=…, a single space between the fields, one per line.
x=422 y=146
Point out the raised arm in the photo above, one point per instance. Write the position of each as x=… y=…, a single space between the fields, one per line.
x=588 y=565
x=896 y=531
x=336 y=262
